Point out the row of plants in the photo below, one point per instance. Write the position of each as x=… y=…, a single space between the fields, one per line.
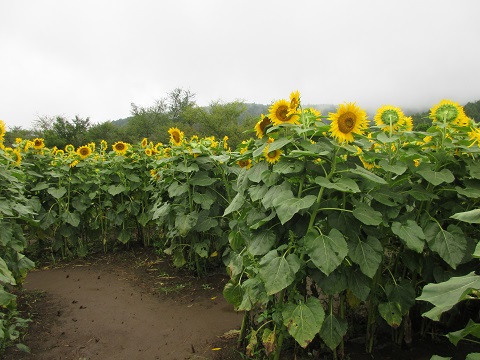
x=318 y=218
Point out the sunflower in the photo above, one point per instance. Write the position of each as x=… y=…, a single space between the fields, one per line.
x=2 y=129
x=261 y=125
x=474 y=137
x=148 y=152
x=38 y=143
x=176 y=136
x=225 y=144
x=103 y=145
x=447 y=111
x=294 y=100
x=280 y=113
x=74 y=163
x=18 y=140
x=17 y=157
x=69 y=148
x=194 y=138
x=144 y=142
x=245 y=163
x=84 y=151
x=120 y=147
x=272 y=156
x=408 y=123
x=389 y=118
x=348 y=120
x=59 y=152
x=158 y=148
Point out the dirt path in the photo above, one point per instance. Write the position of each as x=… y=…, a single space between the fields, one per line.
x=115 y=311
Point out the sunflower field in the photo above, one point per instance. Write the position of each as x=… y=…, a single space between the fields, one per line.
x=319 y=219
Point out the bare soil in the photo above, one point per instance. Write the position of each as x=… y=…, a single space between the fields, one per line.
x=131 y=305
x=135 y=305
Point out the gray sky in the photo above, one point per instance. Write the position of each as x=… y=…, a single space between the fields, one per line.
x=93 y=58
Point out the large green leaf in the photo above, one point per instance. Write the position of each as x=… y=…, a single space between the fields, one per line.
x=367 y=175
x=343 y=184
x=202 y=179
x=177 y=189
x=367 y=254
x=450 y=244
x=472 y=216
x=257 y=192
x=72 y=218
x=332 y=284
x=437 y=177
x=288 y=167
x=235 y=205
x=256 y=171
x=57 y=193
x=262 y=242
x=326 y=252
x=472 y=328
x=278 y=144
x=6 y=275
x=185 y=222
x=277 y=272
x=161 y=211
x=274 y=192
x=304 y=320
x=205 y=200
x=333 y=330
x=367 y=215
x=286 y=205
x=253 y=294
x=358 y=283
x=391 y=313
x=398 y=169
x=205 y=222
x=5 y=300
x=446 y=294
x=411 y=234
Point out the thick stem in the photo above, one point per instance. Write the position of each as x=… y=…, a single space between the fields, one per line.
x=243 y=330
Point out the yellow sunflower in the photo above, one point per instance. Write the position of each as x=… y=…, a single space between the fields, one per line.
x=2 y=129
x=294 y=100
x=69 y=148
x=447 y=112
x=474 y=137
x=158 y=148
x=103 y=145
x=59 y=152
x=280 y=113
x=176 y=136
x=74 y=163
x=348 y=120
x=194 y=138
x=225 y=144
x=84 y=151
x=261 y=125
x=144 y=142
x=92 y=146
x=38 y=143
x=120 y=147
x=389 y=118
x=272 y=156
x=246 y=163
x=17 y=157
x=148 y=152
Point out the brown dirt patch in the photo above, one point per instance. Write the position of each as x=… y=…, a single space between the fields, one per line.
x=131 y=305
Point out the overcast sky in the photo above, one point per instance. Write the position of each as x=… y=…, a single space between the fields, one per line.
x=93 y=58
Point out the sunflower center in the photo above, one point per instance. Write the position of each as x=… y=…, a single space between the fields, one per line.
x=84 y=151
x=272 y=154
x=176 y=137
x=264 y=123
x=282 y=112
x=243 y=163
x=120 y=147
x=38 y=143
x=346 y=122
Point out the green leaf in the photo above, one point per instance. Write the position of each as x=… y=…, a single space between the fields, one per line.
x=473 y=356
x=201 y=248
x=185 y=222
x=116 y=189
x=411 y=234
x=277 y=272
x=72 y=218
x=447 y=294
x=476 y=253
x=278 y=144
x=205 y=222
x=343 y=184
x=6 y=207
x=303 y=320
x=390 y=312
x=5 y=299
x=367 y=254
x=472 y=216
x=286 y=205
x=255 y=172
x=450 y=244
x=437 y=357
x=332 y=284
x=202 y=179
x=40 y=186
x=161 y=211
x=333 y=330
x=235 y=205
x=187 y=168
x=437 y=177
x=472 y=328
x=257 y=192
x=253 y=294
x=262 y=242
x=233 y=293
x=274 y=192
x=285 y=166
x=397 y=169
x=133 y=178
x=326 y=252
x=57 y=193
x=6 y=275
x=177 y=189
x=367 y=175
x=367 y=214
x=205 y=200
x=124 y=236
x=358 y=283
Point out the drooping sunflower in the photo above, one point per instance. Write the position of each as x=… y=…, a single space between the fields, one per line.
x=38 y=143
x=348 y=120
x=120 y=147
x=84 y=151
x=294 y=101
x=272 y=156
x=103 y=145
x=261 y=125
x=447 y=112
x=144 y=142
x=176 y=136
x=280 y=113
x=389 y=118
x=245 y=163
x=69 y=148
